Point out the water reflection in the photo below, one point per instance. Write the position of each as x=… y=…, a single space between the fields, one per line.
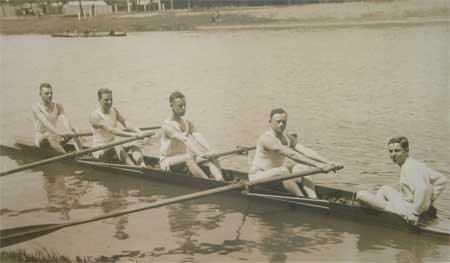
x=290 y=231
x=62 y=191
x=59 y=198
x=115 y=201
x=186 y=220
x=119 y=193
x=411 y=246
x=65 y=193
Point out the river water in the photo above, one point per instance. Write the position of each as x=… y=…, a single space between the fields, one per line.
x=347 y=91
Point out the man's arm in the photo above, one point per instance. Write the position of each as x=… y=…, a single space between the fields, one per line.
x=99 y=123
x=124 y=122
x=271 y=144
x=199 y=138
x=308 y=152
x=422 y=189
x=127 y=124
x=171 y=132
x=41 y=117
x=438 y=182
x=62 y=116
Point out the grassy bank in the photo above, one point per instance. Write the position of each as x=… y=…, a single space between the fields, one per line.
x=314 y=14
x=38 y=255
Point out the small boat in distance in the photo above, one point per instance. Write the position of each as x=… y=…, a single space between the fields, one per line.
x=111 y=33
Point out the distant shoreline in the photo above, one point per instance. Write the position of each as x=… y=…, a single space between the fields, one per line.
x=325 y=24
x=400 y=12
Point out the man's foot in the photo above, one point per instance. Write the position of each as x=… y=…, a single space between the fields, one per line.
x=431 y=212
x=234 y=180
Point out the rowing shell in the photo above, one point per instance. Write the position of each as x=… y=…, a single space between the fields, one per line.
x=331 y=201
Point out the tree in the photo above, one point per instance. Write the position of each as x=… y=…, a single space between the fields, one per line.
x=81 y=8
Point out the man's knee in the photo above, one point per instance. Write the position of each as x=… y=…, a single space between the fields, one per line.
x=119 y=149
x=136 y=154
x=299 y=168
x=363 y=196
x=190 y=159
x=442 y=182
x=55 y=144
x=282 y=171
x=308 y=183
x=385 y=190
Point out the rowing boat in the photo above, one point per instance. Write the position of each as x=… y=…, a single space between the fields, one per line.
x=91 y=34
x=331 y=201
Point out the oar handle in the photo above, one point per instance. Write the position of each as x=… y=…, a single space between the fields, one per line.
x=310 y=171
x=70 y=155
x=85 y=134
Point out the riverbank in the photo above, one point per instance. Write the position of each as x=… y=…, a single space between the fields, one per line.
x=38 y=255
x=313 y=15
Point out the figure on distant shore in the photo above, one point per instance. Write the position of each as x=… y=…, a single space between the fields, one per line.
x=215 y=18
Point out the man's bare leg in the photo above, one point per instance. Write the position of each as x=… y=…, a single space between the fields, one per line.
x=136 y=155
x=195 y=170
x=216 y=170
x=138 y=158
x=308 y=185
x=188 y=159
x=375 y=201
x=292 y=187
x=53 y=141
x=123 y=156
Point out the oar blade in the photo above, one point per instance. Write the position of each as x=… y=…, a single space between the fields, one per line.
x=12 y=236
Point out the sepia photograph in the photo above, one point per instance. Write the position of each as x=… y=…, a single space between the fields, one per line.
x=224 y=131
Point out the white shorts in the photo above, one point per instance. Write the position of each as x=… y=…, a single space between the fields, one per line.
x=40 y=137
x=164 y=165
x=109 y=154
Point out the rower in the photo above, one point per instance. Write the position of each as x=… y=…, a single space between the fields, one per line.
x=420 y=186
x=104 y=129
x=272 y=148
x=46 y=115
x=182 y=145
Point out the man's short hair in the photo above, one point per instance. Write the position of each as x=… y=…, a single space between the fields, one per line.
x=276 y=111
x=402 y=140
x=44 y=85
x=102 y=91
x=175 y=95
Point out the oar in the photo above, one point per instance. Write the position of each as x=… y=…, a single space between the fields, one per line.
x=13 y=236
x=69 y=155
x=239 y=149
x=85 y=134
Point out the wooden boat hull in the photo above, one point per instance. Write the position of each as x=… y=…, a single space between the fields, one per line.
x=331 y=201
